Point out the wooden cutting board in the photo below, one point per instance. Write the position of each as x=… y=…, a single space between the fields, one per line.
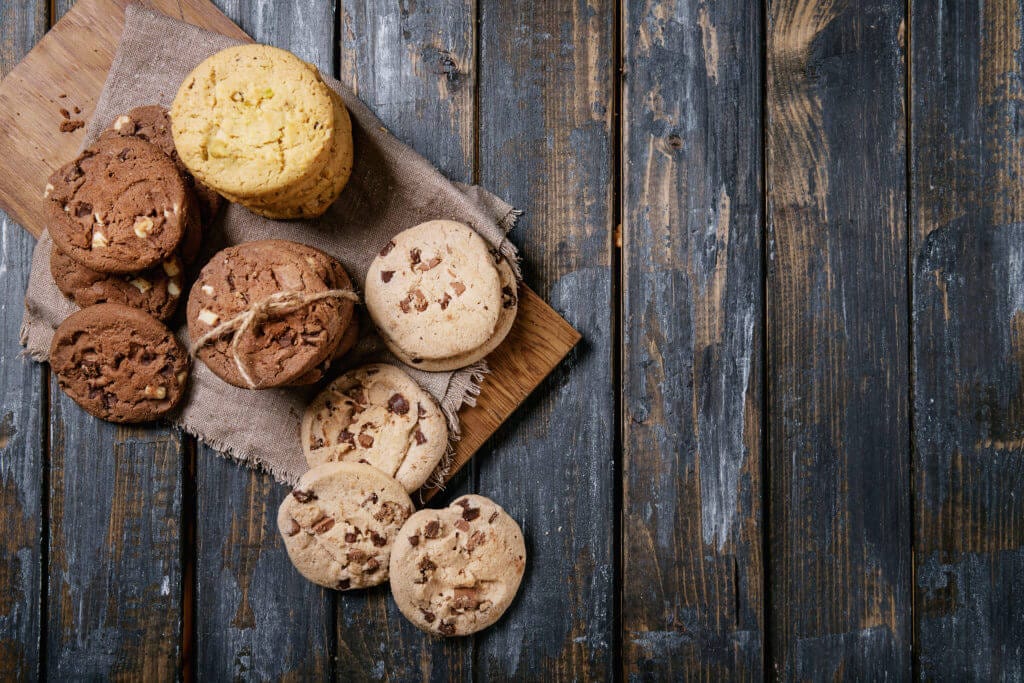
x=67 y=69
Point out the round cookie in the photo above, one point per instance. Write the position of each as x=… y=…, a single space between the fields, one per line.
x=283 y=346
x=119 y=363
x=152 y=123
x=155 y=291
x=340 y=522
x=434 y=292
x=252 y=120
x=378 y=415
x=120 y=207
x=455 y=571
x=347 y=343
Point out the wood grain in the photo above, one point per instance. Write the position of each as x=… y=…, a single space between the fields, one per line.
x=22 y=415
x=692 y=331
x=839 y=531
x=967 y=249
x=546 y=144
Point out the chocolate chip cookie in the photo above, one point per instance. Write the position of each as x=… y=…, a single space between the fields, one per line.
x=435 y=294
x=339 y=523
x=378 y=415
x=120 y=207
x=283 y=343
x=156 y=291
x=455 y=571
x=119 y=363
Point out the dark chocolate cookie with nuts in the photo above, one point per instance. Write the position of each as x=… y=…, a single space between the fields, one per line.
x=340 y=522
x=455 y=571
x=120 y=207
x=119 y=363
x=156 y=291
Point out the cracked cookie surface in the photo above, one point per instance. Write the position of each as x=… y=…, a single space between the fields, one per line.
x=120 y=207
x=455 y=571
x=119 y=363
x=379 y=415
x=435 y=293
x=340 y=522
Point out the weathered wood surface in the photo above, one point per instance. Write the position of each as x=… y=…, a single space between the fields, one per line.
x=838 y=520
x=692 y=334
x=967 y=250
x=22 y=415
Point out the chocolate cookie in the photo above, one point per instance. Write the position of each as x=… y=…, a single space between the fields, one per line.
x=455 y=571
x=378 y=415
x=120 y=207
x=339 y=523
x=155 y=291
x=283 y=344
x=152 y=123
x=119 y=363
x=347 y=343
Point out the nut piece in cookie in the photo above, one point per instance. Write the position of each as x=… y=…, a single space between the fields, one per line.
x=119 y=363
x=339 y=523
x=378 y=415
x=455 y=571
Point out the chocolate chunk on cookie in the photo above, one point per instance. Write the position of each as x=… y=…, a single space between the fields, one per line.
x=378 y=415
x=284 y=342
x=347 y=343
x=455 y=571
x=120 y=207
x=156 y=291
x=340 y=522
x=119 y=363
x=435 y=294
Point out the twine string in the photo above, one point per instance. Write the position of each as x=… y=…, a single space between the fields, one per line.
x=279 y=303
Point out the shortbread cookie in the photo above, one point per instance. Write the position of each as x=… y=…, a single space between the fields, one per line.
x=120 y=207
x=455 y=571
x=378 y=415
x=155 y=291
x=434 y=292
x=253 y=120
x=284 y=345
x=152 y=123
x=340 y=522
x=119 y=363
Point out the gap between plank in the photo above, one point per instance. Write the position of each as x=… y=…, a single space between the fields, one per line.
x=616 y=240
x=767 y=642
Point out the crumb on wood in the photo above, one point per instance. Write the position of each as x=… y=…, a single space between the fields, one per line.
x=77 y=109
x=71 y=126
x=65 y=113
x=62 y=95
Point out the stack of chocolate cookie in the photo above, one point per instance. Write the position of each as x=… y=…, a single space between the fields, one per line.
x=261 y=127
x=271 y=313
x=125 y=218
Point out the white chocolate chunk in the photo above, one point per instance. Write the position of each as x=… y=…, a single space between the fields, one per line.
x=155 y=392
x=48 y=190
x=207 y=290
x=208 y=317
x=99 y=240
x=173 y=289
x=121 y=122
x=143 y=226
x=171 y=268
x=97 y=218
x=181 y=377
x=141 y=284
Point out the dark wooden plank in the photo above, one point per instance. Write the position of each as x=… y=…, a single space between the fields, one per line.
x=255 y=616
x=692 y=341
x=414 y=64
x=967 y=249
x=22 y=411
x=546 y=145
x=839 y=510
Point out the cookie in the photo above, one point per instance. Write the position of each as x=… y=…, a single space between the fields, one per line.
x=347 y=343
x=282 y=346
x=455 y=571
x=378 y=415
x=434 y=293
x=253 y=120
x=152 y=123
x=120 y=207
x=155 y=291
x=119 y=363
x=340 y=522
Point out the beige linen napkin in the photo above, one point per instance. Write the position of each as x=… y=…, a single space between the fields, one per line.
x=392 y=188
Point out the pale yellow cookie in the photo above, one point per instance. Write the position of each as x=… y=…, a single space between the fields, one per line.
x=253 y=120
x=378 y=415
x=340 y=522
x=434 y=292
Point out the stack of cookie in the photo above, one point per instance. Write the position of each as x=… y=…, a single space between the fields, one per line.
x=261 y=127
x=441 y=298
x=271 y=313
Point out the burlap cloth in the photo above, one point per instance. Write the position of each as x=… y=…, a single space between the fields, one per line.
x=392 y=188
